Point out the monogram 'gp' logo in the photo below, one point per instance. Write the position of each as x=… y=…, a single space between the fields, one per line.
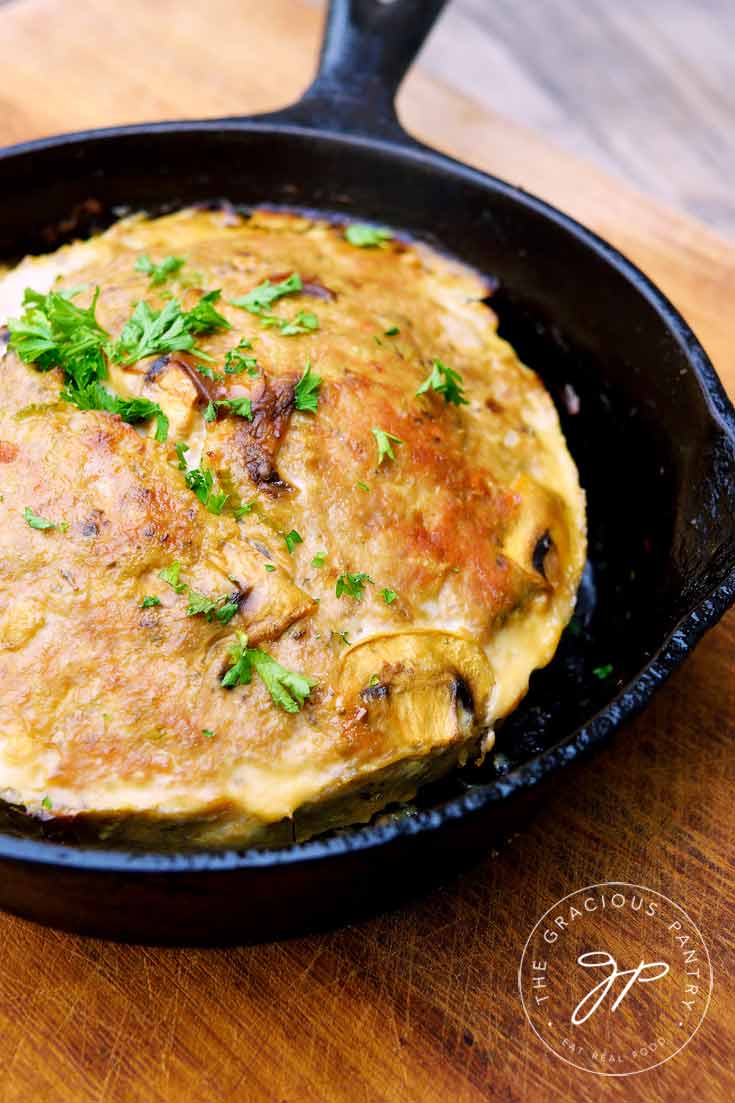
x=615 y=979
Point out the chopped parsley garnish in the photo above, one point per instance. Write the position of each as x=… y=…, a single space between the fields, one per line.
x=149 y=602
x=288 y=689
x=170 y=575
x=603 y=672
x=201 y=481
x=93 y=396
x=385 y=442
x=366 y=237
x=292 y=538
x=153 y=332
x=240 y=511
x=35 y=522
x=203 y=318
x=389 y=596
x=306 y=394
x=209 y=373
x=222 y=608
x=393 y=331
x=53 y=332
x=267 y=293
x=446 y=382
x=304 y=322
x=319 y=559
x=47 y=804
x=269 y=567
x=342 y=636
x=210 y=412
x=241 y=406
x=363 y=486
x=159 y=273
x=180 y=448
x=353 y=585
x=207 y=733
x=236 y=363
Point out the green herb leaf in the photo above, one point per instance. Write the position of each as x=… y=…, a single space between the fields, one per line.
x=209 y=373
x=149 y=602
x=366 y=237
x=353 y=585
x=446 y=382
x=603 y=672
x=203 y=318
x=319 y=559
x=159 y=273
x=241 y=406
x=207 y=733
x=201 y=481
x=288 y=689
x=292 y=538
x=267 y=293
x=41 y=523
x=170 y=575
x=306 y=394
x=210 y=413
x=153 y=332
x=180 y=448
x=46 y=803
x=236 y=363
x=93 y=396
x=269 y=567
x=363 y=486
x=240 y=511
x=222 y=608
x=392 y=332
x=385 y=442
x=389 y=596
x=303 y=322
x=54 y=333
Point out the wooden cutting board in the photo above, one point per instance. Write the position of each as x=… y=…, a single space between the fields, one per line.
x=420 y=1004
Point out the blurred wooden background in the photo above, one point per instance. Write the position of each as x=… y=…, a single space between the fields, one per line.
x=645 y=88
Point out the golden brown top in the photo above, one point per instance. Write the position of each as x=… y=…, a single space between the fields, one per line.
x=467 y=520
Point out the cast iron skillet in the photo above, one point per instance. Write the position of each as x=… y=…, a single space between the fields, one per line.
x=654 y=438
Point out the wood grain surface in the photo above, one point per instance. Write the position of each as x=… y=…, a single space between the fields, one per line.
x=644 y=88
x=420 y=1004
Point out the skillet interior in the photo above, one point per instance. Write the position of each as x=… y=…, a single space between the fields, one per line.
x=653 y=440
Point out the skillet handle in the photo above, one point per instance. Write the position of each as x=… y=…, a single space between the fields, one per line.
x=367 y=49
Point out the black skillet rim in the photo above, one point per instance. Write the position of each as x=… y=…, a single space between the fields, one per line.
x=629 y=700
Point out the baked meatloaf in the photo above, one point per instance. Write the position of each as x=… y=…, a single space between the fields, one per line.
x=286 y=527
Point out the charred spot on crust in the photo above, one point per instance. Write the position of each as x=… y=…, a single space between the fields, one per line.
x=541 y=550
x=378 y=692
x=462 y=695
